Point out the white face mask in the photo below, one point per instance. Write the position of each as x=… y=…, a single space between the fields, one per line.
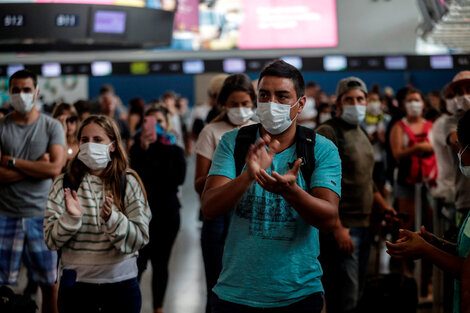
x=324 y=117
x=23 y=102
x=451 y=106
x=462 y=103
x=354 y=114
x=94 y=155
x=464 y=169
x=414 y=108
x=238 y=116
x=374 y=108
x=275 y=117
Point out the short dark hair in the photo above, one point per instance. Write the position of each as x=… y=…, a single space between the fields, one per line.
x=106 y=88
x=280 y=68
x=311 y=84
x=22 y=74
x=463 y=130
x=236 y=82
x=413 y=90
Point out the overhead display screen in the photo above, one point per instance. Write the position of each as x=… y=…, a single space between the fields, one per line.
x=204 y=24
x=109 y=22
x=260 y=24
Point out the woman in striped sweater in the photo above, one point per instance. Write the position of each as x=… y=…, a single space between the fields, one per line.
x=98 y=217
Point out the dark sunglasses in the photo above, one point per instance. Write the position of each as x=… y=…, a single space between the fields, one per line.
x=72 y=119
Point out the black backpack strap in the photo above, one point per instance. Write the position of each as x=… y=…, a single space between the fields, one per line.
x=245 y=138
x=305 y=146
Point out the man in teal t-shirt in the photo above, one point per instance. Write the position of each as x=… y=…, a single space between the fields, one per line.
x=271 y=250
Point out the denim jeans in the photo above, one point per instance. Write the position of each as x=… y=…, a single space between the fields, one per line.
x=122 y=297
x=311 y=304
x=344 y=275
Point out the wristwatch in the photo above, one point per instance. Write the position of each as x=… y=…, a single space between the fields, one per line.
x=11 y=163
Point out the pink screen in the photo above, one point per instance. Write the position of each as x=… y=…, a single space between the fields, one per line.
x=106 y=2
x=277 y=24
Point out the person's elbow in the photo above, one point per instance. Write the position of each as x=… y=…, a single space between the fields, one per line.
x=329 y=222
x=207 y=207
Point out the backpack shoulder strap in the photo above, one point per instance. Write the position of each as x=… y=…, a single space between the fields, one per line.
x=408 y=131
x=245 y=138
x=305 y=146
x=427 y=126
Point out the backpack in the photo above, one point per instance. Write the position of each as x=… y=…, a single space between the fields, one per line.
x=419 y=168
x=305 y=145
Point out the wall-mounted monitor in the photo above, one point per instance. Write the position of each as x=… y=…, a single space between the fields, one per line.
x=234 y=65
x=109 y=22
x=396 y=63
x=13 y=68
x=439 y=62
x=51 y=69
x=335 y=63
x=101 y=68
x=193 y=66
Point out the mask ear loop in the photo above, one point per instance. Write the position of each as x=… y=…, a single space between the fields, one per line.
x=298 y=100
x=459 y=154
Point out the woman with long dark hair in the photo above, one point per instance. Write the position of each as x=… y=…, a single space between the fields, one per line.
x=236 y=98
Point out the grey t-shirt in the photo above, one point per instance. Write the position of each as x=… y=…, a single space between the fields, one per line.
x=462 y=183
x=28 y=197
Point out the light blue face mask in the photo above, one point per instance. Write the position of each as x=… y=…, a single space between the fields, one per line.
x=464 y=169
x=354 y=114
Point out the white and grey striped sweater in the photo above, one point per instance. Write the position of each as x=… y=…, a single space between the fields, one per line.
x=88 y=239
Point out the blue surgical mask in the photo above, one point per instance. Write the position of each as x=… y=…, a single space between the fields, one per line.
x=464 y=169
x=354 y=114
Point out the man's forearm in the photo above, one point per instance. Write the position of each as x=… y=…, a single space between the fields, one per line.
x=9 y=175
x=39 y=169
x=447 y=262
x=319 y=213
x=217 y=201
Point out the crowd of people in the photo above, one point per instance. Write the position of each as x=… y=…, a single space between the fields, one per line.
x=295 y=187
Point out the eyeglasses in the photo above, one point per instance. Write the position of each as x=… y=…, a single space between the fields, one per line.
x=72 y=119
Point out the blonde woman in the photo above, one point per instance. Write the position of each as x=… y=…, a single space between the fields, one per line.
x=99 y=223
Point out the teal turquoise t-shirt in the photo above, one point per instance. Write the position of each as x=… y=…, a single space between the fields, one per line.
x=271 y=254
x=463 y=248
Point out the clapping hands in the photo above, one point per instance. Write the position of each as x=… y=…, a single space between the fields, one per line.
x=259 y=159
x=72 y=204
x=107 y=207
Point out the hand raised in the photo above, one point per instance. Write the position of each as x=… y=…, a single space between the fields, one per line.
x=276 y=183
x=409 y=245
x=107 y=208
x=72 y=204
x=258 y=157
